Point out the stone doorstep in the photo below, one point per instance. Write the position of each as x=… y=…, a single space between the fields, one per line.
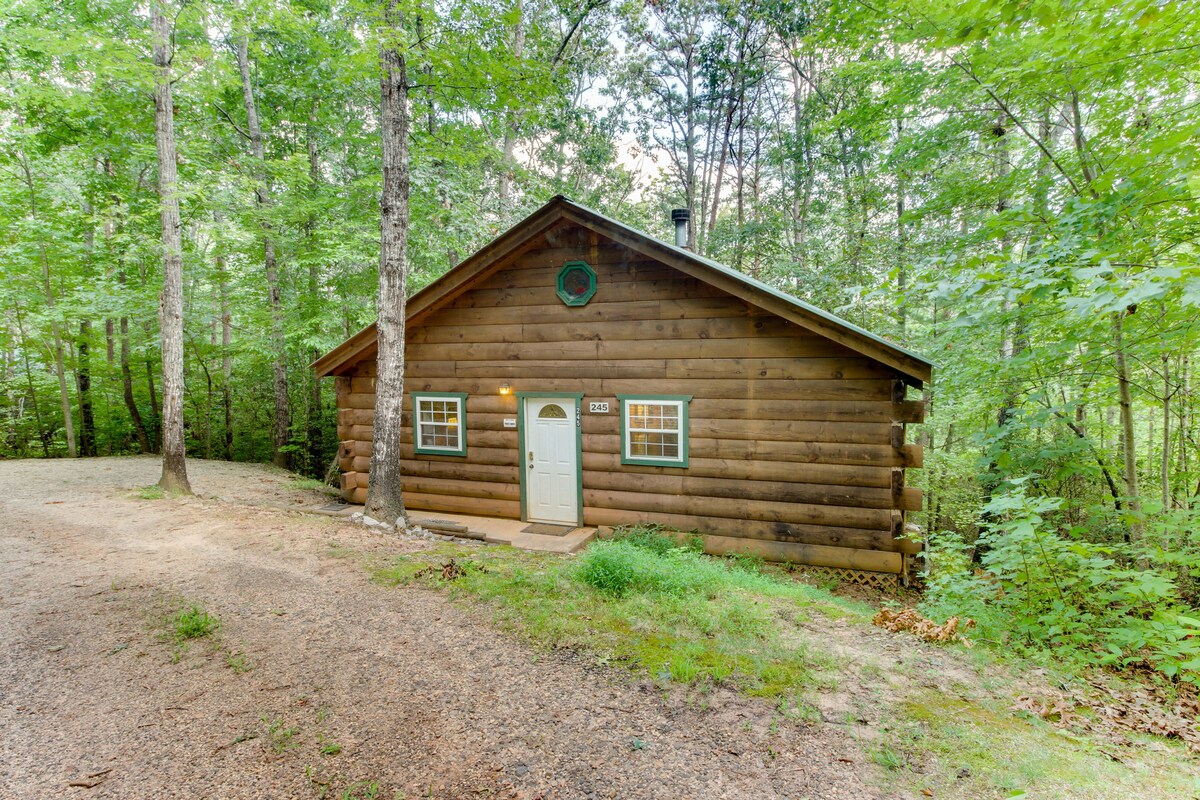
x=539 y=542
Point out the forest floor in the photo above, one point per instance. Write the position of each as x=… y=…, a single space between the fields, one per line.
x=321 y=683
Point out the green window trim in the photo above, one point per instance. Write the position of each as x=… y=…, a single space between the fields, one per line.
x=575 y=298
x=678 y=400
x=461 y=423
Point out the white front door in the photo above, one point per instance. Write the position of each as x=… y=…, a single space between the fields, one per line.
x=551 y=460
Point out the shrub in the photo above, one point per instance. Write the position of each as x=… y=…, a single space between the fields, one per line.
x=1041 y=590
x=620 y=566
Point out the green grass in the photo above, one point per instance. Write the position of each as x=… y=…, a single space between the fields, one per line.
x=308 y=485
x=646 y=602
x=152 y=492
x=192 y=622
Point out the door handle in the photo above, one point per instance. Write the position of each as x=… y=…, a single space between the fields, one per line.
x=530 y=459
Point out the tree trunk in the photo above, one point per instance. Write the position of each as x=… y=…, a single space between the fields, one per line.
x=226 y=353
x=282 y=429
x=314 y=283
x=384 y=499
x=174 y=474
x=139 y=427
x=110 y=352
x=1128 y=449
x=87 y=419
x=508 y=170
x=1165 y=467
x=155 y=421
x=43 y=434
x=1182 y=412
x=83 y=363
x=901 y=240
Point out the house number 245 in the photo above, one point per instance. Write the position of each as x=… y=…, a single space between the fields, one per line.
x=598 y=408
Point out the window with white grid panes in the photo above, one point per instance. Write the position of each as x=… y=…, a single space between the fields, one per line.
x=440 y=427
x=654 y=430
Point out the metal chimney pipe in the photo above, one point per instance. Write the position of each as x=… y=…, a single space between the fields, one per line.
x=680 y=217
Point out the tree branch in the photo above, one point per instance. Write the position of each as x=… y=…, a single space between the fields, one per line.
x=229 y=119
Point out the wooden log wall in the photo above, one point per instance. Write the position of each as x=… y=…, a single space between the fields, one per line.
x=796 y=444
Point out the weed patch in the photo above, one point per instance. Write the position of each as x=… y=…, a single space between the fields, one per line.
x=237 y=662
x=280 y=737
x=308 y=485
x=192 y=622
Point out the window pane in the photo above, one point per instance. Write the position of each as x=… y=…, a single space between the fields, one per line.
x=653 y=430
x=438 y=424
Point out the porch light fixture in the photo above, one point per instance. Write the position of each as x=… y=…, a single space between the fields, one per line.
x=505 y=389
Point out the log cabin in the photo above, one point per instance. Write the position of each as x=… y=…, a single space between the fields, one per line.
x=577 y=371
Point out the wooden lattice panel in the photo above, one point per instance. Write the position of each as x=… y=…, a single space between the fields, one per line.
x=884 y=581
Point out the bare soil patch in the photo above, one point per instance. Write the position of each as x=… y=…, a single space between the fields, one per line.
x=318 y=682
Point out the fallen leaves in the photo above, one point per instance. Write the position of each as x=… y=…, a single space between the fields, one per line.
x=449 y=571
x=1098 y=707
x=909 y=619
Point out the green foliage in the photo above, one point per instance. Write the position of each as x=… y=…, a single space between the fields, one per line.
x=1046 y=593
x=192 y=622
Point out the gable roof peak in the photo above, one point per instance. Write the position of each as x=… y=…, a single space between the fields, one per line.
x=914 y=367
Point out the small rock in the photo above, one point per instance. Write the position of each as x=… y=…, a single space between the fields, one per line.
x=356 y=517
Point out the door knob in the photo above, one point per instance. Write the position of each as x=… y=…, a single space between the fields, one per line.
x=530 y=459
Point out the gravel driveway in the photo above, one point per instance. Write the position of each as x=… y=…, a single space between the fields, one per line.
x=319 y=683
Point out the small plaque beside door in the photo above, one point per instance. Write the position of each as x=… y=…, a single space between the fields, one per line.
x=510 y=423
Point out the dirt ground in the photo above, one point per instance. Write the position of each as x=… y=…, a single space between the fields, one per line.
x=423 y=698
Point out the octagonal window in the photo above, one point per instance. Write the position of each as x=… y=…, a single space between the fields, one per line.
x=576 y=283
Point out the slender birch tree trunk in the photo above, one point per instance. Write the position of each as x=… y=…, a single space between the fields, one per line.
x=385 y=501
x=226 y=341
x=1128 y=449
x=174 y=474
x=511 y=128
x=314 y=287
x=282 y=429
x=1165 y=466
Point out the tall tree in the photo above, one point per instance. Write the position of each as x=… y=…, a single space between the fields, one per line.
x=170 y=316
x=262 y=194
x=385 y=501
